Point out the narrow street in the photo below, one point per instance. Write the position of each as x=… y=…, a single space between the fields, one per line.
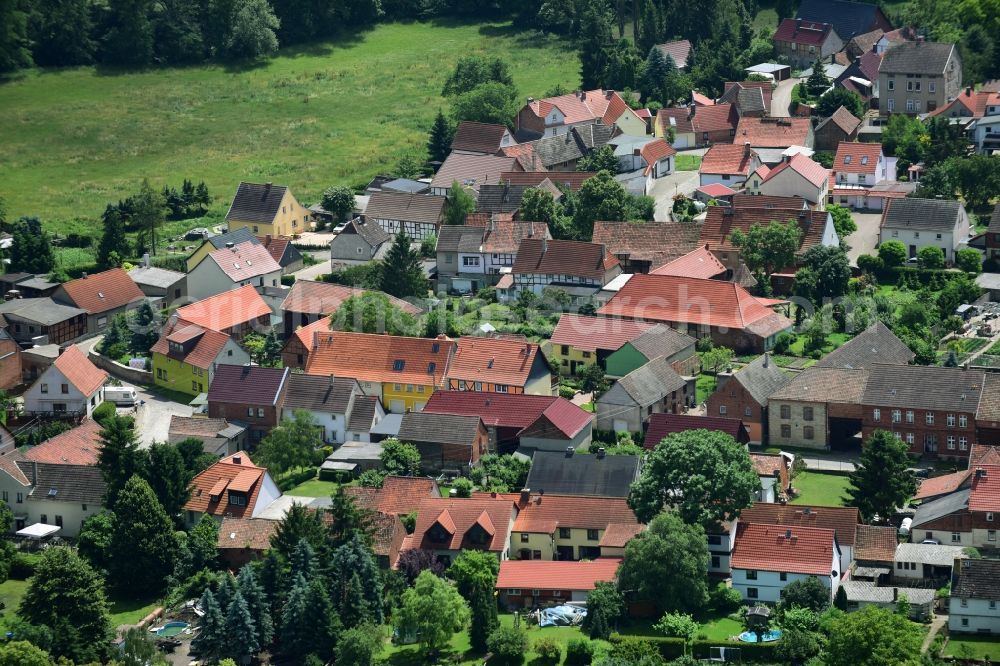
x=781 y=98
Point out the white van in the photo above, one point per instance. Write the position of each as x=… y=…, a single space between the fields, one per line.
x=123 y=396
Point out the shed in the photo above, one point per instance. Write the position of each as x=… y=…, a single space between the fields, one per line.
x=776 y=71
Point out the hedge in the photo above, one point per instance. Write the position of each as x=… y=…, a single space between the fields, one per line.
x=890 y=276
x=669 y=648
x=749 y=652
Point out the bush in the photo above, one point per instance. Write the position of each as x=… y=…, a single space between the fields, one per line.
x=22 y=567
x=104 y=411
x=548 y=650
x=579 y=652
x=567 y=392
x=631 y=649
x=869 y=263
x=508 y=645
x=783 y=342
x=725 y=599
x=755 y=653
x=969 y=260
x=704 y=344
x=463 y=487
x=287 y=280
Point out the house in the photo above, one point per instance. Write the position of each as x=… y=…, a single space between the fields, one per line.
x=416 y=215
x=695 y=126
x=646 y=156
x=796 y=176
x=965 y=517
x=580 y=341
x=308 y=302
x=41 y=320
x=663 y=425
x=244 y=540
x=236 y=312
x=520 y=421
x=659 y=341
x=640 y=248
x=366 y=413
x=803 y=42
x=744 y=394
x=470 y=171
x=499 y=365
x=554 y=116
x=268 y=210
x=473 y=256
x=447 y=526
x=398 y=495
x=768 y=132
x=563 y=152
x=229 y=239
x=445 y=441
x=875 y=344
x=284 y=253
x=989 y=242
x=102 y=296
x=817 y=408
x=360 y=241
x=721 y=194
x=969 y=106
x=72 y=386
x=842 y=521
x=246 y=264
x=536 y=584
x=772 y=71
x=988 y=416
x=918 y=77
x=857 y=169
x=935 y=487
x=679 y=51
x=728 y=164
x=986 y=130
x=699 y=263
x=861 y=593
x=701 y=308
x=353 y=457
x=652 y=388
x=774 y=472
x=918 y=223
x=766 y=558
x=218 y=436
x=10 y=361
x=925 y=564
x=592 y=475
x=847 y=18
x=248 y=395
x=232 y=488
x=975 y=596
x=481 y=138
x=186 y=355
x=159 y=283
x=402 y=372
x=875 y=546
x=860 y=77
x=327 y=400
x=750 y=98
x=578 y=268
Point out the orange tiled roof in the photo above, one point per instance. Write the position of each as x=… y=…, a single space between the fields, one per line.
x=814 y=172
x=727 y=158
x=103 y=291
x=773 y=132
x=941 y=485
x=805 y=550
x=226 y=310
x=323 y=298
x=497 y=360
x=216 y=480
x=853 y=157
x=655 y=151
x=841 y=520
x=766 y=465
x=698 y=263
x=77 y=446
x=81 y=373
x=380 y=358
x=875 y=543
x=398 y=494
x=457 y=517
x=556 y=575
x=589 y=105
x=543 y=513
x=204 y=352
x=245 y=261
x=985 y=495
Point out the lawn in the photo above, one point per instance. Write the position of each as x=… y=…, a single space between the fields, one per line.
x=687 y=162
x=704 y=387
x=11 y=592
x=833 y=340
x=314 y=488
x=130 y=611
x=329 y=113
x=820 y=489
x=973 y=647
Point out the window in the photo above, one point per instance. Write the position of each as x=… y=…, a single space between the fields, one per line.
x=524 y=537
x=592 y=535
x=876 y=414
x=965 y=603
x=963 y=421
x=786 y=430
x=808 y=432
x=892 y=102
x=237 y=499
x=909 y=416
x=909 y=438
x=963 y=443
x=501 y=388
x=714 y=540
x=420 y=389
x=716 y=562
x=409 y=388
x=751 y=593
x=564 y=533
x=783 y=576
x=807 y=413
x=989 y=514
x=20 y=498
x=847 y=159
x=44 y=518
x=514 y=591
x=786 y=412
x=723 y=409
x=45 y=388
x=260 y=412
x=896 y=416
x=892 y=84
x=59 y=521
x=536 y=555
x=951 y=442
x=929 y=418
x=398 y=365
x=965 y=620
x=470 y=261
x=931 y=86
x=747 y=412
x=250 y=411
x=991 y=535
x=5 y=496
x=84 y=507
x=950 y=420
x=956 y=537
x=751 y=574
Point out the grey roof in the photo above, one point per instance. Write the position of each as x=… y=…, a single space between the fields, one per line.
x=406 y=185
x=362 y=413
x=921 y=214
x=454 y=238
x=661 y=340
x=923 y=387
x=876 y=344
x=370 y=232
x=977 y=579
x=256 y=202
x=927 y=553
x=582 y=474
x=572 y=145
x=389 y=425
x=648 y=383
x=357 y=451
x=439 y=428
x=39 y=282
x=423 y=208
x=320 y=394
x=847 y=18
x=500 y=198
x=45 y=311
x=155 y=277
x=918 y=58
x=471 y=170
x=866 y=591
x=241 y=235
x=941 y=507
x=761 y=377
x=83 y=484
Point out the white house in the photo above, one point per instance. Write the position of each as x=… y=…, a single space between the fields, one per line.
x=795 y=176
x=233 y=487
x=648 y=157
x=986 y=130
x=925 y=561
x=720 y=547
x=919 y=223
x=974 y=605
x=338 y=406
x=766 y=558
x=231 y=268
x=72 y=385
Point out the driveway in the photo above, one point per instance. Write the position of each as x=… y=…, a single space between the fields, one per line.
x=864 y=240
x=679 y=182
x=314 y=271
x=152 y=419
x=781 y=98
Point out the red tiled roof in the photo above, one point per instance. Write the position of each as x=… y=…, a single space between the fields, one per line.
x=941 y=485
x=727 y=158
x=721 y=221
x=853 y=157
x=544 y=513
x=245 y=261
x=457 y=516
x=472 y=169
x=985 y=495
x=556 y=575
x=717 y=190
x=589 y=105
x=813 y=172
x=79 y=371
x=275 y=247
x=524 y=155
x=8 y=463
x=592 y=333
x=655 y=151
x=226 y=310
x=678 y=51
x=670 y=298
x=712 y=118
x=505 y=236
x=511 y=410
x=699 y=263
x=841 y=520
x=663 y=424
x=563 y=257
x=808 y=550
x=306 y=334
x=974 y=101
x=218 y=479
x=701 y=100
x=497 y=360
x=323 y=298
x=655 y=242
x=802 y=32
x=103 y=291
x=616 y=107
x=374 y=358
x=398 y=494
x=981 y=454
x=875 y=543
x=204 y=352
x=766 y=465
x=246 y=533
x=78 y=446
x=773 y=132
x=618 y=535
x=572 y=179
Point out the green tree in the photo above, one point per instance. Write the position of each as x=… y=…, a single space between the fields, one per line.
x=291 y=444
x=655 y=74
x=508 y=645
x=297 y=626
x=23 y=653
x=358 y=646
x=31 y=248
x=843 y=221
x=119 y=457
x=605 y=605
x=881 y=482
x=400 y=458
x=825 y=273
x=114 y=244
x=439 y=141
x=500 y=473
x=257 y=603
x=930 y=256
x=809 y=594
x=149 y=209
x=473 y=71
x=717 y=358
x=492 y=103
x=595 y=38
x=834 y=98
x=14 y=42
x=440 y=321
x=65 y=593
x=475 y=575
x=600 y=159
x=706 y=475
x=299 y=525
x=402 y=274
x=142 y=540
x=356 y=587
x=798 y=647
x=969 y=260
x=483 y=617
x=146 y=328
x=271 y=352
x=94 y=540
x=372 y=312
x=592 y=379
x=432 y=611
x=339 y=201
x=905 y=137
x=460 y=203
x=138 y=649
x=892 y=252
x=767 y=249
x=251 y=34
x=347 y=521
x=977 y=177
x=872 y=637
x=168 y=477
x=600 y=198
x=129 y=38
x=202 y=541
x=242 y=639
x=818 y=82
x=667 y=565
x=678 y=625
x=539 y=205
x=210 y=641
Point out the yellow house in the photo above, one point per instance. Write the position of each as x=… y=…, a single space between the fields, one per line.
x=579 y=341
x=567 y=527
x=268 y=210
x=185 y=356
x=228 y=239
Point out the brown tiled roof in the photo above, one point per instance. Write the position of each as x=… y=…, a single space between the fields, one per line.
x=101 y=292
x=699 y=263
x=836 y=385
x=721 y=221
x=875 y=543
x=380 y=358
x=563 y=257
x=323 y=298
x=766 y=465
x=727 y=158
x=495 y=360
x=244 y=261
x=773 y=132
x=9 y=458
x=805 y=550
x=399 y=495
x=989 y=401
x=662 y=340
x=656 y=242
x=217 y=478
x=246 y=534
x=587 y=333
x=457 y=517
x=556 y=575
x=478 y=137
x=984 y=455
x=504 y=237
x=663 y=424
x=77 y=446
x=617 y=535
x=249 y=385
x=653 y=152
x=544 y=513
x=79 y=371
x=842 y=520
x=470 y=170
x=845 y=120
x=204 y=352
x=767 y=201
x=197 y=426
x=422 y=208
x=226 y=310
x=853 y=157
x=388 y=534
x=714 y=118
x=276 y=247
x=876 y=344
x=574 y=180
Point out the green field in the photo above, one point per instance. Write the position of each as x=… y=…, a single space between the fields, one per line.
x=688 y=162
x=314 y=488
x=11 y=592
x=973 y=647
x=820 y=489
x=328 y=113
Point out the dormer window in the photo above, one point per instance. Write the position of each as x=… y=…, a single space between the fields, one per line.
x=438 y=534
x=864 y=159
x=847 y=159
x=398 y=364
x=237 y=499
x=431 y=367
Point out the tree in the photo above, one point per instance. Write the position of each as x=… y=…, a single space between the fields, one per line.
x=252 y=32
x=209 y=642
x=678 y=625
x=881 y=482
x=508 y=645
x=969 y=260
x=339 y=201
x=291 y=444
x=818 y=82
x=483 y=616
x=196 y=460
x=717 y=358
x=94 y=540
x=905 y=137
x=402 y=274
x=825 y=273
x=432 y=611
x=145 y=327
x=500 y=473
x=119 y=457
x=372 y=312
x=129 y=39
x=142 y=540
x=168 y=477
x=202 y=541
x=137 y=649
x=492 y=103
x=66 y=592
x=300 y=525
x=840 y=599
x=356 y=588
x=600 y=159
x=810 y=594
x=595 y=38
x=297 y=621
x=605 y=604
x=892 y=252
x=797 y=646
x=149 y=209
x=347 y=520
x=271 y=351
x=475 y=575
x=834 y=98
x=114 y=244
x=473 y=71
x=592 y=379
x=31 y=248
x=257 y=603
x=600 y=198
x=14 y=53
x=23 y=653
x=242 y=637
x=440 y=321
x=655 y=74
x=705 y=474
x=400 y=458
x=359 y=646
x=872 y=636
x=667 y=565
x=931 y=257
x=768 y=249
x=439 y=141
x=415 y=560
x=843 y=221
x=539 y=205
x=460 y=204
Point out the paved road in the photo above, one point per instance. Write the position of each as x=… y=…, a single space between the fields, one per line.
x=826 y=465
x=864 y=240
x=781 y=98
x=153 y=418
x=312 y=272
x=679 y=182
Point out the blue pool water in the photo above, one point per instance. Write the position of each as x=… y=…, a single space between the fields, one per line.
x=769 y=637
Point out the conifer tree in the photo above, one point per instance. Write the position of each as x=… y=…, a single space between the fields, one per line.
x=818 y=81
x=483 y=609
x=227 y=590
x=119 y=458
x=296 y=620
x=114 y=244
x=402 y=275
x=257 y=603
x=326 y=624
x=143 y=543
x=303 y=560
x=272 y=349
x=209 y=641
x=439 y=143
x=242 y=635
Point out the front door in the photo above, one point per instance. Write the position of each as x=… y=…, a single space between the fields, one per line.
x=913 y=251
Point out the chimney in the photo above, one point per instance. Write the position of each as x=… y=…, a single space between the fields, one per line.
x=601 y=453
x=583 y=96
x=230 y=244
x=569 y=451
x=608 y=94
x=545 y=245
x=788 y=534
x=691 y=109
x=767 y=358
x=84 y=275
x=968 y=91
x=267 y=240
x=145 y=260
x=746 y=149
x=238 y=460
x=895 y=594
x=525 y=495
x=268 y=186
x=530 y=100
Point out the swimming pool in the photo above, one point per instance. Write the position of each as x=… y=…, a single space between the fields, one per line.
x=768 y=637
x=171 y=629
